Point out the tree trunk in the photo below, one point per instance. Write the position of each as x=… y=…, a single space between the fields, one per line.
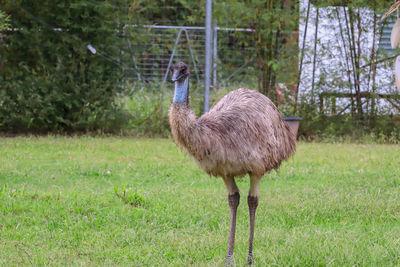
x=265 y=56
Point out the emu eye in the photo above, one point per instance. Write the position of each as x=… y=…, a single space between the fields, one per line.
x=183 y=71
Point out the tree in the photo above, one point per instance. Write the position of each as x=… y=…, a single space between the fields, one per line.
x=275 y=38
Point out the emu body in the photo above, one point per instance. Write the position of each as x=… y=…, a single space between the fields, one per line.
x=242 y=134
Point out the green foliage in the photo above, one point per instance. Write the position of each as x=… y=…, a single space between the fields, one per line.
x=183 y=13
x=4 y=21
x=347 y=128
x=129 y=196
x=50 y=81
x=276 y=52
x=353 y=3
x=148 y=111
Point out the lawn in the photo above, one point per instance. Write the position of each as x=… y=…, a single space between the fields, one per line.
x=141 y=202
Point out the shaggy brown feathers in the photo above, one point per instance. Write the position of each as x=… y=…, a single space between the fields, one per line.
x=242 y=133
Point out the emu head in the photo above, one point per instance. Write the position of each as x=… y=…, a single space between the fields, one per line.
x=179 y=72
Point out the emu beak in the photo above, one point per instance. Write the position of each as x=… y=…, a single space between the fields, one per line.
x=175 y=76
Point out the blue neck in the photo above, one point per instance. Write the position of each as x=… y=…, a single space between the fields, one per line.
x=181 y=91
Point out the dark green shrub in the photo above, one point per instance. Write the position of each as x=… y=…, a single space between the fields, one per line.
x=320 y=127
x=4 y=20
x=49 y=80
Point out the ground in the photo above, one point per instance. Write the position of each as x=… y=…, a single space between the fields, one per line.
x=62 y=202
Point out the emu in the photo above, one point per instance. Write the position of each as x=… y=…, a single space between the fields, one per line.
x=242 y=134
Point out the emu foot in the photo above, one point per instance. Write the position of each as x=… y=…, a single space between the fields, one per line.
x=229 y=262
x=249 y=260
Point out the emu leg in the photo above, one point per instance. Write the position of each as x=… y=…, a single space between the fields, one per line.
x=233 y=200
x=252 y=201
x=233 y=204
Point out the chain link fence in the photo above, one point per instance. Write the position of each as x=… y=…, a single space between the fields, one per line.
x=151 y=49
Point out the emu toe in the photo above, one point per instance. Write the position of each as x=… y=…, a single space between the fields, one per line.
x=229 y=262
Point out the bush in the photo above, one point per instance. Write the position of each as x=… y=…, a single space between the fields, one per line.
x=49 y=79
x=339 y=128
x=148 y=110
x=4 y=20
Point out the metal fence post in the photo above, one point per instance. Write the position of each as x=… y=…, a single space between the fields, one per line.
x=171 y=58
x=207 y=70
x=215 y=51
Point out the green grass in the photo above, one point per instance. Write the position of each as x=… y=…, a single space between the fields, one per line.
x=141 y=202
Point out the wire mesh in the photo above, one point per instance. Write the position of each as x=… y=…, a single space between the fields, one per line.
x=148 y=51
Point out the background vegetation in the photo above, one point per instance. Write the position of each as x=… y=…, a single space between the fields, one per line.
x=49 y=79
x=4 y=19
x=51 y=82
